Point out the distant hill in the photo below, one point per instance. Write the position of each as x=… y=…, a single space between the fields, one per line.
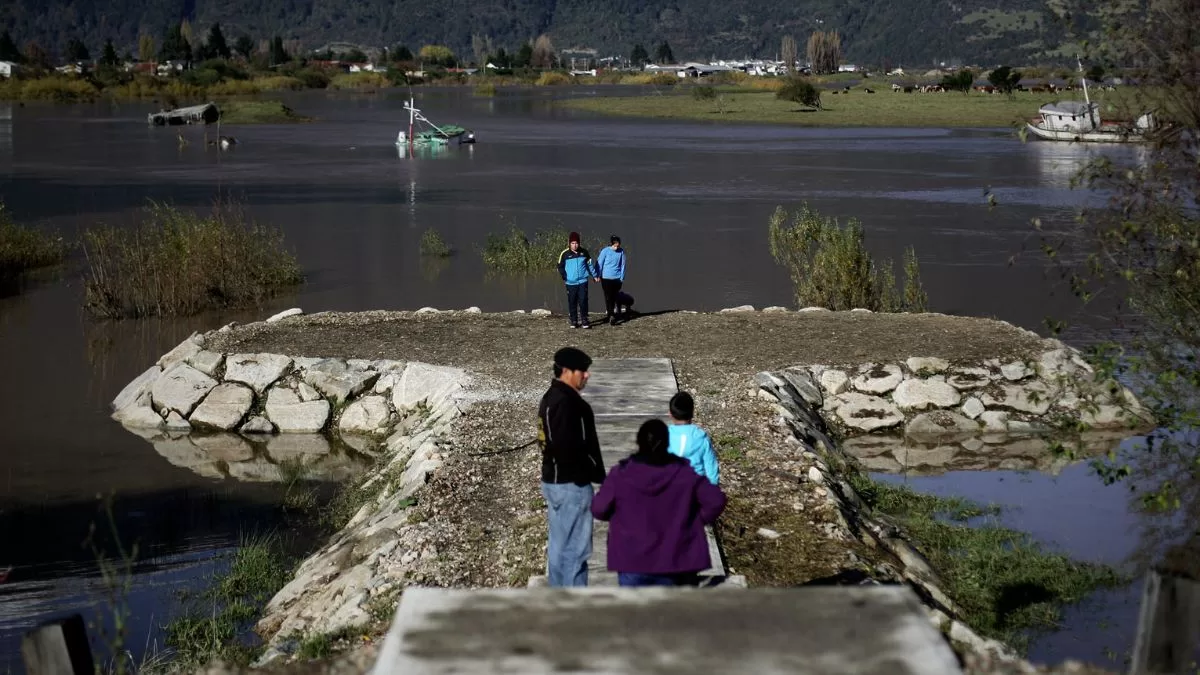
x=912 y=33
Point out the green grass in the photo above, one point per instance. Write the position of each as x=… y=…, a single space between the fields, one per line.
x=1007 y=585
x=259 y=112
x=213 y=624
x=433 y=246
x=23 y=249
x=856 y=109
x=514 y=253
x=178 y=263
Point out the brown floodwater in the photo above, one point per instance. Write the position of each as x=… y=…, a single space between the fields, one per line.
x=690 y=201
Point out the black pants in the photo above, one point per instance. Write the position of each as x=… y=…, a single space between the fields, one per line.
x=577 y=303
x=611 y=288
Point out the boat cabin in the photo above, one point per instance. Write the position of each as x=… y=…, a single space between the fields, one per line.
x=1075 y=116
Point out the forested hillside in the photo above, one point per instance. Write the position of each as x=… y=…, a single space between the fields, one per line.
x=896 y=32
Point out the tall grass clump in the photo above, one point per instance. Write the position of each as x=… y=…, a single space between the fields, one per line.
x=58 y=89
x=553 y=78
x=1007 y=586
x=515 y=253
x=178 y=263
x=24 y=249
x=259 y=112
x=234 y=88
x=830 y=266
x=214 y=624
x=360 y=81
x=433 y=246
x=485 y=89
x=661 y=79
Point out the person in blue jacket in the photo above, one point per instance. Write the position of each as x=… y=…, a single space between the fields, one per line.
x=611 y=262
x=690 y=441
x=575 y=265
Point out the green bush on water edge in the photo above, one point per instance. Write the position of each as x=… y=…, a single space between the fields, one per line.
x=24 y=249
x=178 y=263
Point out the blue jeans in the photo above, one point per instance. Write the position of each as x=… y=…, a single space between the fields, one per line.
x=577 y=303
x=569 y=512
x=635 y=579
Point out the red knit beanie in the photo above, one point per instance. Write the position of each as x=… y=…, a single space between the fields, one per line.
x=574 y=236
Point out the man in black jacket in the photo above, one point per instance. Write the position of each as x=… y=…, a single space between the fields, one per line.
x=571 y=462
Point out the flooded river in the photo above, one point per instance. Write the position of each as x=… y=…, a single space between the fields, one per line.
x=690 y=202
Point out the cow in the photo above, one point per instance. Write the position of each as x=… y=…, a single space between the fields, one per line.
x=897 y=88
x=868 y=90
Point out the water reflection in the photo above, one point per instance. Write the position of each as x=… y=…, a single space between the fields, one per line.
x=1059 y=163
x=6 y=135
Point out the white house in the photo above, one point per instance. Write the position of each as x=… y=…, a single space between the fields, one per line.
x=8 y=68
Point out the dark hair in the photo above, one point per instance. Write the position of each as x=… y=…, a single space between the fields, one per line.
x=614 y=239
x=653 y=441
x=682 y=406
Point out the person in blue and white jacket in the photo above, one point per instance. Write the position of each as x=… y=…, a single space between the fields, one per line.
x=612 y=274
x=690 y=441
x=575 y=265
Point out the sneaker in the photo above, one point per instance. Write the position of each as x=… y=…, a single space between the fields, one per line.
x=587 y=325
x=574 y=325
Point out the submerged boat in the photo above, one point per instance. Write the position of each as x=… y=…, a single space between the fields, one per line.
x=434 y=134
x=1079 y=121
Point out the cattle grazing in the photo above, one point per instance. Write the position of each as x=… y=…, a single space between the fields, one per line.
x=868 y=90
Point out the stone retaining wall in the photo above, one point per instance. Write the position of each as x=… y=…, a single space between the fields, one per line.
x=935 y=402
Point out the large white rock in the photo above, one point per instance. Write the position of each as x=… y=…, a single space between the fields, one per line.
x=423 y=382
x=367 y=415
x=964 y=379
x=939 y=425
x=180 y=389
x=182 y=352
x=338 y=381
x=175 y=422
x=972 y=408
x=135 y=389
x=834 y=382
x=739 y=308
x=1056 y=363
x=1032 y=398
x=1015 y=371
x=291 y=415
x=295 y=311
x=206 y=362
x=868 y=413
x=814 y=309
x=994 y=420
x=540 y=312
x=224 y=407
x=259 y=371
x=930 y=365
x=258 y=425
x=139 y=417
x=803 y=383
x=876 y=379
x=925 y=394
x=775 y=309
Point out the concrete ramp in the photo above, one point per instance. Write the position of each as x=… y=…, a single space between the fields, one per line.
x=623 y=394
x=872 y=630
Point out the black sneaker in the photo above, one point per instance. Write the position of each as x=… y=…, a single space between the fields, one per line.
x=574 y=325
x=586 y=325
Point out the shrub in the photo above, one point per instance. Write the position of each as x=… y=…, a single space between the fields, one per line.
x=179 y=263
x=514 y=253
x=831 y=267
x=312 y=78
x=234 y=88
x=960 y=81
x=660 y=79
x=552 y=78
x=259 y=112
x=800 y=90
x=23 y=249
x=433 y=245
x=704 y=92
x=58 y=89
x=360 y=81
x=485 y=89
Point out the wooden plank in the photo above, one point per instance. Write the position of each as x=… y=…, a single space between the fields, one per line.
x=58 y=648
x=1168 y=634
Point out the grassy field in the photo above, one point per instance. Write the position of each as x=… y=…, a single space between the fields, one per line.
x=259 y=112
x=856 y=109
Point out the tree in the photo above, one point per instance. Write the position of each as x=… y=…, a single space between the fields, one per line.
x=825 y=51
x=278 y=53
x=1140 y=241
x=215 y=46
x=800 y=90
x=1096 y=73
x=787 y=50
x=109 y=56
x=174 y=46
x=146 y=48
x=663 y=54
x=77 y=51
x=960 y=81
x=639 y=56
x=1004 y=79
x=244 y=46
x=437 y=55
x=34 y=55
x=481 y=45
x=355 y=55
x=8 y=49
x=543 y=53
x=524 y=56
x=500 y=59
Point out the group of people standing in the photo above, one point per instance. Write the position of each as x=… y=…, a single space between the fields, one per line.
x=576 y=267
x=657 y=501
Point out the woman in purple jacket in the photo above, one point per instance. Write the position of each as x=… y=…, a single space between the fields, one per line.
x=657 y=507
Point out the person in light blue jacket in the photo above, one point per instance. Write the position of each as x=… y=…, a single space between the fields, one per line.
x=690 y=441
x=611 y=262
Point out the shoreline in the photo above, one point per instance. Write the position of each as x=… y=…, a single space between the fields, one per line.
x=476 y=520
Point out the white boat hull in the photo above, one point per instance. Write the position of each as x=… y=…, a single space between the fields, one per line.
x=1085 y=136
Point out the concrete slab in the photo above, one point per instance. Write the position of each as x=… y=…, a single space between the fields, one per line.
x=864 y=630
